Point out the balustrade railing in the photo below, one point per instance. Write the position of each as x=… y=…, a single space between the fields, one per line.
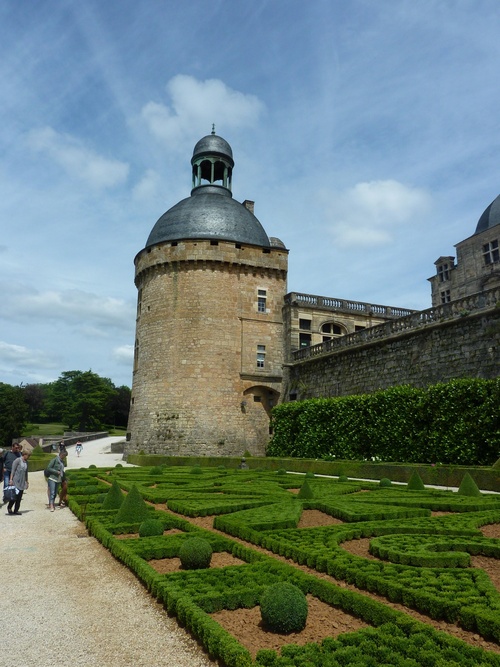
x=344 y=305
x=415 y=320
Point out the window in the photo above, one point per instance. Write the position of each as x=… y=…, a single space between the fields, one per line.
x=445 y=296
x=261 y=356
x=443 y=271
x=304 y=339
x=305 y=324
x=139 y=302
x=261 y=300
x=358 y=327
x=332 y=329
x=491 y=252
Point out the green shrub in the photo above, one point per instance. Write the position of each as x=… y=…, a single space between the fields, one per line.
x=156 y=470
x=150 y=528
x=385 y=482
x=281 y=471
x=343 y=478
x=415 y=483
x=468 y=487
x=305 y=491
x=37 y=451
x=133 y=509
x=283 y=608
x=92 y=466
x=196 y=470
x=310 y=474
x=195 y=553
x=114 y=497
x=119 y=465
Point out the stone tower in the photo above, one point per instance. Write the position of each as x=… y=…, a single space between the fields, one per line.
x=209 y=331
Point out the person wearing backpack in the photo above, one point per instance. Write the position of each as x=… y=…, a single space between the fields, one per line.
x=55 y=473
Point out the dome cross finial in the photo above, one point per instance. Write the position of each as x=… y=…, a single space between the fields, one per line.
x=213 y=128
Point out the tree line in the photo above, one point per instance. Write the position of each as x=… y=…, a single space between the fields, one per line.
x=82 y=400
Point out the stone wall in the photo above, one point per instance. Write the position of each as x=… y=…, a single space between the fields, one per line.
x=465 y=345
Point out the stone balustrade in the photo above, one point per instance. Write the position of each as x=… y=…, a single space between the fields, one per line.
x=411 y=321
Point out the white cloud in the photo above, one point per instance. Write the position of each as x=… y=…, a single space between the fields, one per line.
x=124 y=354
x=370 y=213
x=24 y=357
x=195 y=105
x=80 y=162
x=75 y=307
x=148 y=187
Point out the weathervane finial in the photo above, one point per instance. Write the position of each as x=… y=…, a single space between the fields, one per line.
x=213 y=128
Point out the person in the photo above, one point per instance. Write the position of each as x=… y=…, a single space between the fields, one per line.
x=7 y=461
x=19 y=479
x=79 y=448
x=56 y=475
x=63 y=491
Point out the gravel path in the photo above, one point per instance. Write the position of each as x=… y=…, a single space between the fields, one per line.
x=67 y=602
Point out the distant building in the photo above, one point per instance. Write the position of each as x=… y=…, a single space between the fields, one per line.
x=477 y=267
x=216 y=327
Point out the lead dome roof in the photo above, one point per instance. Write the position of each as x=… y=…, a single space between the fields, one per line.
x=210 y=212
x=490 y=218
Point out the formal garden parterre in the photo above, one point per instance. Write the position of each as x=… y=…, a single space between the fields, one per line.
x=421 y=542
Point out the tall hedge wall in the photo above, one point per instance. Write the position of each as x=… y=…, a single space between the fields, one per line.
x=455 y=422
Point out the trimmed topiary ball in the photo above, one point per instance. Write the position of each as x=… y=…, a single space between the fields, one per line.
x=196 y=470
x=310 y=475
x=343 y=478
x=156 y=470
x=150 y=528
x=283 y=608
x=114 y=497
x=385 y=482
x=195 y=553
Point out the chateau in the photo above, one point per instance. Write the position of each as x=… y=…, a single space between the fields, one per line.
x=219 y=341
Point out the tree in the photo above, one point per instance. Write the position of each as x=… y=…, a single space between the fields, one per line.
x=119 y=407
x=34 y=396
x=80 y=399
x=13 y=413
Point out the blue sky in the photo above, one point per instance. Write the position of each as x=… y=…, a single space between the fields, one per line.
x=367 y=133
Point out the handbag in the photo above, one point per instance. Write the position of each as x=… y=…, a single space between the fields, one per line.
x=46 y=472
x=9 y=494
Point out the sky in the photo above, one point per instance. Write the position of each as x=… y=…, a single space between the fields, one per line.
x=367 y=133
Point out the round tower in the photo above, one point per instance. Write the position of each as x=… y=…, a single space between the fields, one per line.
x=209 y=330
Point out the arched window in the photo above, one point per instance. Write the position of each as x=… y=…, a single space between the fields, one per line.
x=330 y=330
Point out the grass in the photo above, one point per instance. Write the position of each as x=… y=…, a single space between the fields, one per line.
x=45 y=430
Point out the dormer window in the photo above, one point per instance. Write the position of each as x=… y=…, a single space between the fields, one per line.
x=443 y=271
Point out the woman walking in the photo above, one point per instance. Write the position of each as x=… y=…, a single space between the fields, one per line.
x=19 y=479
x=56 y=475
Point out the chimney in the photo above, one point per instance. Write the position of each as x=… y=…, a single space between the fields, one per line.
x=249 y=205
